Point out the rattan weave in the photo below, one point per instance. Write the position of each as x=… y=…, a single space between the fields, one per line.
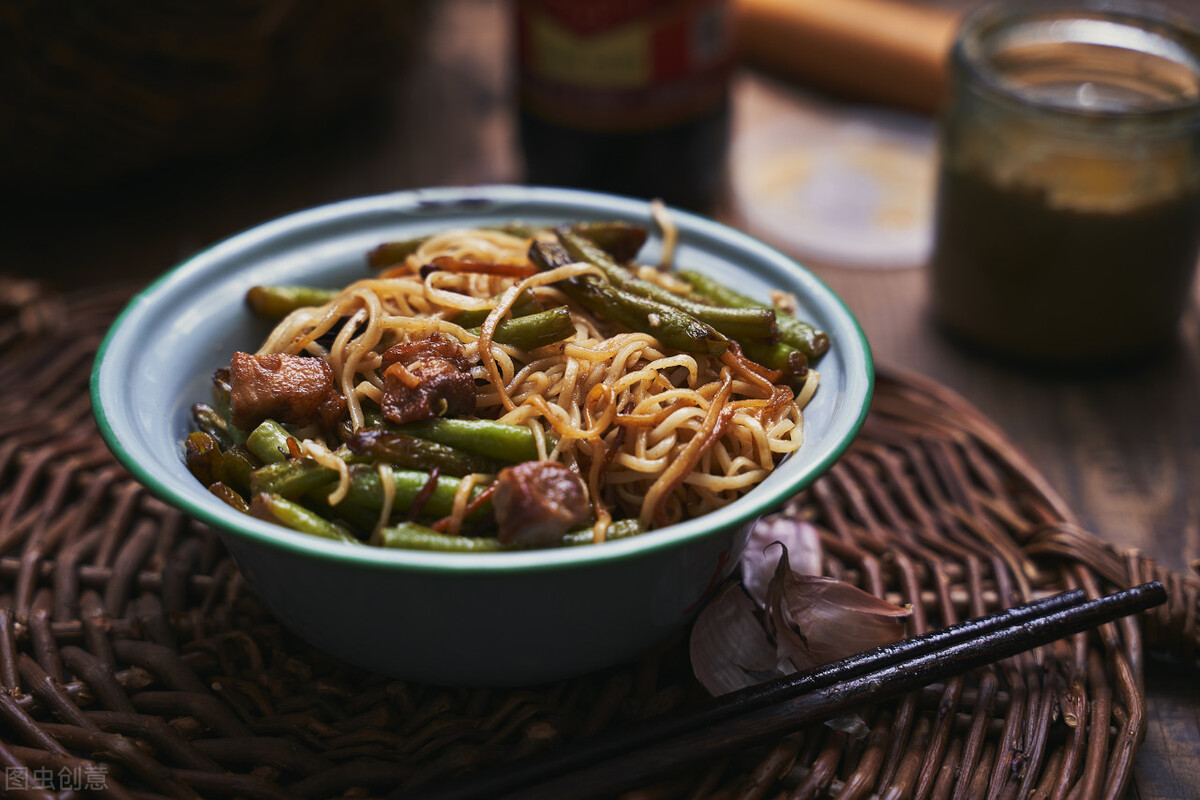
x=136 y=663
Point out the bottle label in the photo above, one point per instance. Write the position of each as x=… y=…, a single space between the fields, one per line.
x=623 y=65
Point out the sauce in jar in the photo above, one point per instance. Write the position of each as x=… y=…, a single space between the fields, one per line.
x=1068 y=215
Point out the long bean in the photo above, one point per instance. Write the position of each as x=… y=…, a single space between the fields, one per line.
x=276 y=302
x=357 y=518
x=525 y=304
x=305 y=477
x=414 y=536
x=209 y=420
x=222 y=404
x=229 y=497
x=268 y=442
x=672 y=327
x=740 y=323
x=390 y=253
x=801 y=335
x=366 y=492
x=791 y=362
x=412 y=452
x=235 y=467
x=534 y=330
x=210 y=464
x=274 y=508
x=200 y=452
x=620 y=240
x=499 y=441
x=620 y=529
x=290 y=478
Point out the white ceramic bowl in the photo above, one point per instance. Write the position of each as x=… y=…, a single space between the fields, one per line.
x=451 y=618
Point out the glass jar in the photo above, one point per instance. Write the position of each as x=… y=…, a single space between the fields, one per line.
x=1068 y=212
x=626 y=96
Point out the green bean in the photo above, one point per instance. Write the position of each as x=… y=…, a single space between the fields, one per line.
x=674 y=328
x=547 y=255
x=211 y=422
x=523 y=306
x=619 y=529
x=801 y=335
x=535 y=330
x=366 y=492
x=268 y=442
x=499 y=441
x=620 y=240
x=389 y=253
x=781 y=356
x=276 y=302
x=516 y=228
x=357 y=518
x=273 y=508
x=210 y=464
x=222 y=405
x=200 y=453
x=235 y=467
x=414 y=536
x=230 y=497
x=291 y=477
x=736 y=323
x=411 y=452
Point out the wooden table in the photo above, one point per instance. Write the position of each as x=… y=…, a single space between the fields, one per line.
x=1123 y=447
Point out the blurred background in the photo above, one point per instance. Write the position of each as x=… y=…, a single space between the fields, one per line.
x=131 y=138
x=134 y=135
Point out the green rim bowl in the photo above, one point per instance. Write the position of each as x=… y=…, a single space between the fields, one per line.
x=451 y=618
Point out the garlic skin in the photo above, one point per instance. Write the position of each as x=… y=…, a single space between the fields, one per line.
x=779 y=620
x=729 y=647
x=800 y=539
x=814 y=620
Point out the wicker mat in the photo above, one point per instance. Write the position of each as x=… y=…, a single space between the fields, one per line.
x=136 y=663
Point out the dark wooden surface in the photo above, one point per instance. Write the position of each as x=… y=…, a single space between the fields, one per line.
x=1123 y=446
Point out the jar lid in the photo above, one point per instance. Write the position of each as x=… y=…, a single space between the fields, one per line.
x=1110 y=59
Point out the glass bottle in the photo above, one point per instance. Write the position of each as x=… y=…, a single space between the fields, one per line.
x=626 y=96
x=1068 y=213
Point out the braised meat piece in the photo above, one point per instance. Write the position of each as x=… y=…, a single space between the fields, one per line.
x=427 y=378
x=291 y=389
x=536 y=502
x=433 y=346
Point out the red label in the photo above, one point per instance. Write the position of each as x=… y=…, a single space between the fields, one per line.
x=624 y=64
x=584 y=17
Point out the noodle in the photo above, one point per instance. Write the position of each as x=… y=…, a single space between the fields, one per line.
x=387 y=481
x=654 y=434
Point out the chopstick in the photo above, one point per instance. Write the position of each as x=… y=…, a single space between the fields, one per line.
x=624 y=759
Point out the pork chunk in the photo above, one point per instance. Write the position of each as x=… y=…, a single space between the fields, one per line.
x=296 y=390
x=536 y=502
x=427 y=378
x=433 y=346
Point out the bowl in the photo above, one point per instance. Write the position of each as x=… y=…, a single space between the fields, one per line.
x=479 y=619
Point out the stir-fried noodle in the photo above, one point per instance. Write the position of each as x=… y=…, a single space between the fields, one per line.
x=655 y=434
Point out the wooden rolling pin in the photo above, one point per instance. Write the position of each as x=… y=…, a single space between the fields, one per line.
x=884 y=51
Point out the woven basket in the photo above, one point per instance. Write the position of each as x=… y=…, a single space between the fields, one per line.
x=93 y=89
x=134 y=659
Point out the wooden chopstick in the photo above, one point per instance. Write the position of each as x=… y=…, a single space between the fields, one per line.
x=625 y=759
